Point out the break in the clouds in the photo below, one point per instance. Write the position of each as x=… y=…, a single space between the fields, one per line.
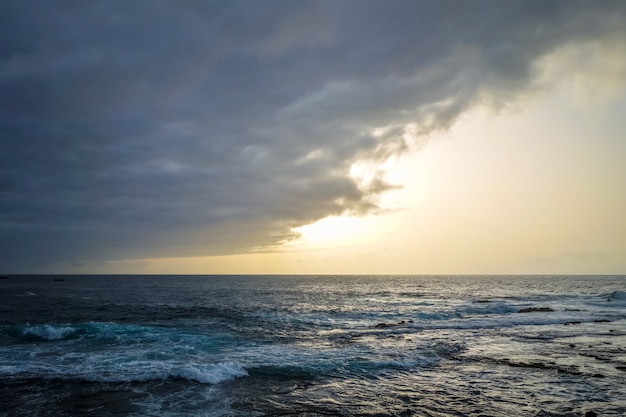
x=138 y=129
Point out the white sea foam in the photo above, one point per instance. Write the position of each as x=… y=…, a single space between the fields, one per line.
x=48 y=332
x=140 y=371
x=294 y=333
x=120 y=369
x=210 y=374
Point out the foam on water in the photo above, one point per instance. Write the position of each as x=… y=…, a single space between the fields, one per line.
x=116 y=367
x=142 y=371
x=111 y=352
x=210 y=374
x=326 y=345
x=47 y=332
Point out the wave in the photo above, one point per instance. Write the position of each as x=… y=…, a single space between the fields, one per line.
x=111 y=352
x=27 y=332
x=40 y=332
x=211 y=374
x=617 y=295
x=48 y=332
x=129 y=371
x=27 y=294
x=485 y=307
x=202 y=373
x=108 y=333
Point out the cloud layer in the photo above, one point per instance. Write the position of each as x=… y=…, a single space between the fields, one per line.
x=137 y=129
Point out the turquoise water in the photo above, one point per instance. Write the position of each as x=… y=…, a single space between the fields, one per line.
x=308 y=346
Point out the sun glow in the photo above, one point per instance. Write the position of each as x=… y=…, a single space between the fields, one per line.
x=373 y=178
x=332 y=230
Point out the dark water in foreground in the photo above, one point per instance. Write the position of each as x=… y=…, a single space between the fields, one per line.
x=312 y=346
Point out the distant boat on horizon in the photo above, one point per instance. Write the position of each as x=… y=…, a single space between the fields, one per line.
x=4 y=277
x=59 y=279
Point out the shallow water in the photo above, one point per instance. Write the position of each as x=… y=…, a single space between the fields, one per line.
x=309 y=346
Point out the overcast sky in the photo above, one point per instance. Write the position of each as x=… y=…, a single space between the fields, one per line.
x=209 y=132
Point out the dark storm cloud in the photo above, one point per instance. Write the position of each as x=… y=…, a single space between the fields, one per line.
x=136 y=129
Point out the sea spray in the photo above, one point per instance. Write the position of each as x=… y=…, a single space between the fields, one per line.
x=250 y=346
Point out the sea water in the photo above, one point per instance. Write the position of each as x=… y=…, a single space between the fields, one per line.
x=312 y=346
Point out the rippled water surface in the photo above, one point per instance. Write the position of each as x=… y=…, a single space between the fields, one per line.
x=312 y=346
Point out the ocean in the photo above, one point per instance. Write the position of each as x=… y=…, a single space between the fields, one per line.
x=313 y=346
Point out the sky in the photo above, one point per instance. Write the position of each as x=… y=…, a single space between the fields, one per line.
x=313 y=137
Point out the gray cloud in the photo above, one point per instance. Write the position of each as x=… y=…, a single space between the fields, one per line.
x=133 y=129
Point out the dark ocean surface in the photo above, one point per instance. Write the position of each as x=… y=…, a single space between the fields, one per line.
x=312 y=346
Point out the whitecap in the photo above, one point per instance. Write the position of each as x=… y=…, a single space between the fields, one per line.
x=141 y=371
x=210 y=374
x=48 y=332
